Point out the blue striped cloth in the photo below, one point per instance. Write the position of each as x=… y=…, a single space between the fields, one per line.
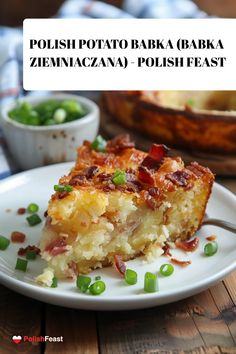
x=11 y=62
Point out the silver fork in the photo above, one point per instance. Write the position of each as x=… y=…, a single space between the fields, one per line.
x=220 y=223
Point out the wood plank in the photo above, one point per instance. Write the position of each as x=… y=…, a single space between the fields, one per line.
x=19 y=315
x=209 y=321
x=226 y=307
x=230 y=283
x=165 y=328
x=78 y=329
x=200 y=350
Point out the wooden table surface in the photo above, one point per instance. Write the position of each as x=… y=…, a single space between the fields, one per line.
x=205 y=323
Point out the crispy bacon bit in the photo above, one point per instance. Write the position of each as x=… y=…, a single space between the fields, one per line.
x=62 y=195
x=166 y=250
x=120 y=265
x=145 y=176
x=101 y=158
x=188 y=246
x=155 y=156
x=180 y=178
x=150 y=163
x=211 y=238
x=56 y=247
x=197 y=169
x=91 y=171
x=104 y=176
x=17 y=237
x=180 y=263
x=154 y=191
x=87 y=143
x=119 y=143
x=21 y=211
x=133 y=186
x=78 y=180
x=150 y=201
x=45 y=213
x=158 y=152
x=23 y=251
x=109 y=187
x=121 y=188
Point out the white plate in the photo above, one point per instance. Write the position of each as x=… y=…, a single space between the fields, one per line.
x=36 y=186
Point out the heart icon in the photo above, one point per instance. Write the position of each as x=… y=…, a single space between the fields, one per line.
x=17 y=339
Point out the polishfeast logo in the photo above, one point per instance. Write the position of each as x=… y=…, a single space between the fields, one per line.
x=17 y=339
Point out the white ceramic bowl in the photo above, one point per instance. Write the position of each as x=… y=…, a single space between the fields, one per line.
x=33 y=146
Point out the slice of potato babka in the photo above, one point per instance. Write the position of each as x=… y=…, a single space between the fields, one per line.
x=118 y=200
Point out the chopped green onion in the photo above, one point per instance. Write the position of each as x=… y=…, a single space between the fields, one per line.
x=61 y=188
x=72 y=107
x=210 y=248
x=47 y=112
x=99 y=144
x=130 y=277
x=83 y=283
x=119 y=177
x=54 y=282
x=150 y=282
x=32 y=208
x=31 y=255
x=98 y=277
x=68 y=188
x=4 y=243
x=97 y=288
x=59 y=116
x=34 y=219
x=21 y=264
x=166 y=270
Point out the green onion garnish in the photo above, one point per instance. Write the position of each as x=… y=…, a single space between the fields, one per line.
x=34 y=219
x=99 y=144
x=59 y=115
x=4 y=243
x=119 y=177
x=61 y=188
x=21 y=264
x=32 y=208
x=98 y=277
x=210 y=248
x=166 y=270
x=150 y=282
x=54 y=282
x=130 y=276
x=68 y=188
x=31 y=255
x=83 y=283
x=97 y=288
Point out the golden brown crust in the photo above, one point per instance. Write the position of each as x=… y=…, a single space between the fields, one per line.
x=203 y=131
x=95 y=170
